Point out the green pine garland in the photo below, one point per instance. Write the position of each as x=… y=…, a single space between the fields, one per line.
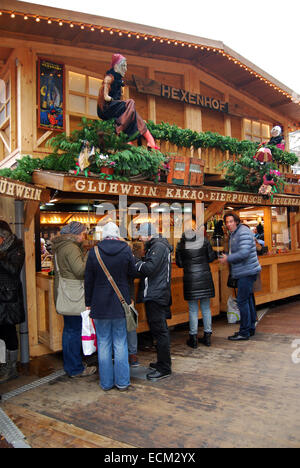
x=131 y=160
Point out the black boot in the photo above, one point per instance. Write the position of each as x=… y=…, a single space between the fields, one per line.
x=192 y=341
x=9 y=370
x=206 y=339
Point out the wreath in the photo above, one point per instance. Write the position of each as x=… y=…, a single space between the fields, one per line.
x=253 y=177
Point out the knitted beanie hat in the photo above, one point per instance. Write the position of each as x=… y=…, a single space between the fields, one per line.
x=74 y=227
x=5 y=230
x=147 y=229
x=110 y=230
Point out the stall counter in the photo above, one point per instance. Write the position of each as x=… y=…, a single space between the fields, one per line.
x=50 y=324
x=279 y=277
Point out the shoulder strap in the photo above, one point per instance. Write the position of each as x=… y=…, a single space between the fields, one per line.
x=108 y=275
x=56 y=263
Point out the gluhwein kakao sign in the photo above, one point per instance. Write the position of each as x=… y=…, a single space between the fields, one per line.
x=21 y=191
x=95 y=187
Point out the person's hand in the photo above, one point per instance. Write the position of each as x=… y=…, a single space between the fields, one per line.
x=223 y=259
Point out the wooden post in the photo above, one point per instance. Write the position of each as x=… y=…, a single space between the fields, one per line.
x=151 y=99
x=227 y=118
x=293 y=230
x=25 y=99
x=268 y=227
x=30 y=272
x=192 y=114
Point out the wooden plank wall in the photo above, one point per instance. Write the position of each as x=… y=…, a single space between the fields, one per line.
x=158 y=109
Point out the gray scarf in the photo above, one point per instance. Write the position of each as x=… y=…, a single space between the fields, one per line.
x=8 y=240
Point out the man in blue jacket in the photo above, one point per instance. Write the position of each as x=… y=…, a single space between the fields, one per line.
x=244 y=267
x=155 y=292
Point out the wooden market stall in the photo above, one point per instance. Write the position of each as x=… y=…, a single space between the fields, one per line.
x=190 y=82
x=21 y=221
x=279 y=270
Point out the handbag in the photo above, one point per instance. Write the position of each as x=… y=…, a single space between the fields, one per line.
x=2 y=352
x=70 y=295
x=231 y=282
x=131 y=313
x=88 y=334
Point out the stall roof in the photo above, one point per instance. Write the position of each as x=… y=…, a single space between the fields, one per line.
x=40 y=23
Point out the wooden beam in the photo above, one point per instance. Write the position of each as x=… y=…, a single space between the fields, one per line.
x=30 y=275
x=293 y=230
x=30 y=211
x=297 y=218
x=212 y=209
x=5 y=140
x=241 y=84
x=43 y=138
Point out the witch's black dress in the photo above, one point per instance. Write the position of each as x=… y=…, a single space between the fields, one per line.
x=124 y=112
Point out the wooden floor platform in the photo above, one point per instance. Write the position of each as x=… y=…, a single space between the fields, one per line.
x=242 y=394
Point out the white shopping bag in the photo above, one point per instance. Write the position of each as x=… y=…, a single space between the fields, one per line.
x=2 y=352
x=233 y=311
x=88 y=334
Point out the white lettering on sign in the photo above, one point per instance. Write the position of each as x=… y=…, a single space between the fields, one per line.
x=19 y=190
x=160 y=191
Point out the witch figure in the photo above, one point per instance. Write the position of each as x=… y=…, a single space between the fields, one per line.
x=111 y=106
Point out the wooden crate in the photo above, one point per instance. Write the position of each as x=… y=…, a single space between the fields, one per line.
x=196 y=172
x=179 y=170
x=186 y=171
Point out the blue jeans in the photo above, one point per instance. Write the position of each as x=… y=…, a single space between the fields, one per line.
x=71 y=343
x=132 y=342
x=206 y=315
x=246 y=304
x=112 y=337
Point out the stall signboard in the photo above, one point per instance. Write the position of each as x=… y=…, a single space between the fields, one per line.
x=148 y=86
x=22 y=191
x=51 y=95
x=96 y=187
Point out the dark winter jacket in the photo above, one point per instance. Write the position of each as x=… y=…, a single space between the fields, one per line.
x=243 y=255
x=194 y=256
x=99 y=294
x=11 y=293
x=155 y=271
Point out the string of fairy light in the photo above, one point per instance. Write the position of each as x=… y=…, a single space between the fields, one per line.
x=148 y=37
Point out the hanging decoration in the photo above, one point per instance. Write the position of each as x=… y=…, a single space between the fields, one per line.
x=272 y=183
x=263 y=155
x=85 y=158
x=51 y=100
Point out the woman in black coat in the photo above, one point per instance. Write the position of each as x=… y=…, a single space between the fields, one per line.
x=12 y=312
x=193 y=254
